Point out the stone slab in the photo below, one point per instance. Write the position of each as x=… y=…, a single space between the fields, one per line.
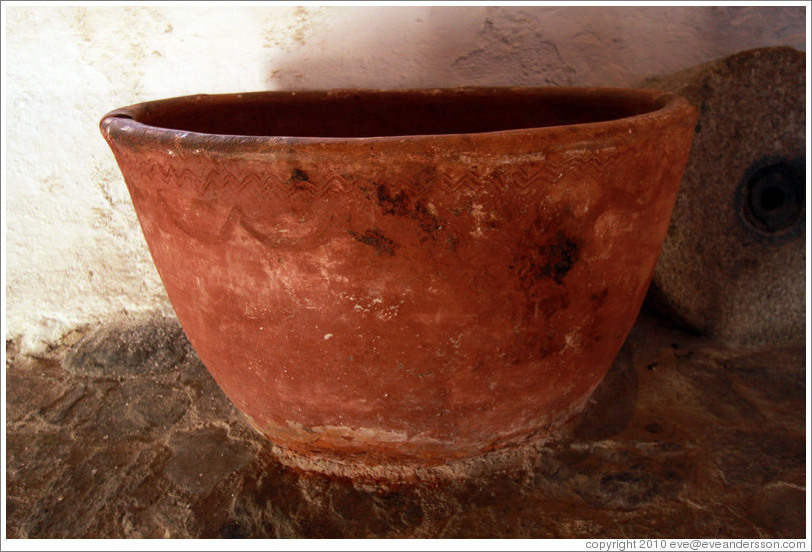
x=683 y=439
x=733 y=262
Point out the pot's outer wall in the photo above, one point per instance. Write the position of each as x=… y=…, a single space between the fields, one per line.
x=408 y=304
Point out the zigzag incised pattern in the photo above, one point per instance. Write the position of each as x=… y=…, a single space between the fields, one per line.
x=210 y=180
x=280 y=185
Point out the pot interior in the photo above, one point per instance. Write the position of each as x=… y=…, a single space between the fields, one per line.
x=395 y=113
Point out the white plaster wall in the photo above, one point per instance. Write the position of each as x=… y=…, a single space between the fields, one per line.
x=74 y=249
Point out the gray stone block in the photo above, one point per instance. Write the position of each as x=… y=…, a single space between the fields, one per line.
x=733 y=263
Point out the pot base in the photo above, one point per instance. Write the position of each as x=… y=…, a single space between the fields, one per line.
x=517 y=457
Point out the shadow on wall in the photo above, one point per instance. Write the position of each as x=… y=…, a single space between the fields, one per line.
x=412 y=47
x=418 y=47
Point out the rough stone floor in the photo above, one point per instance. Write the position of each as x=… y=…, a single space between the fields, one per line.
x=120 y=432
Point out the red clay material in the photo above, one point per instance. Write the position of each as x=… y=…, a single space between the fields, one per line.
x=405 y=277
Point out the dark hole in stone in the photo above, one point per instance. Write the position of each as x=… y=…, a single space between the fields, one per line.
x=773 y=197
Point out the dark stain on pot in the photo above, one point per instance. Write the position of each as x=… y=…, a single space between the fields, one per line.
x=400 y=205
x=397 y=205
x=296 y=177
x=599 y=298
x=551 y=305
x=377 y=239
x=451 y=242
x=493 y=224
x=466 y=208
x=549 y=260
x=428 y=222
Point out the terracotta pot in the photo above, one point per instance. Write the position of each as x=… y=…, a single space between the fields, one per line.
x=405 y=277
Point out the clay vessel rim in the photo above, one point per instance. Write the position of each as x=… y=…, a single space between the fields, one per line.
x=124 y=123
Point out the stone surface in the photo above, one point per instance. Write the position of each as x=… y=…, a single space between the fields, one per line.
x=733 y=262
x=684 y=438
